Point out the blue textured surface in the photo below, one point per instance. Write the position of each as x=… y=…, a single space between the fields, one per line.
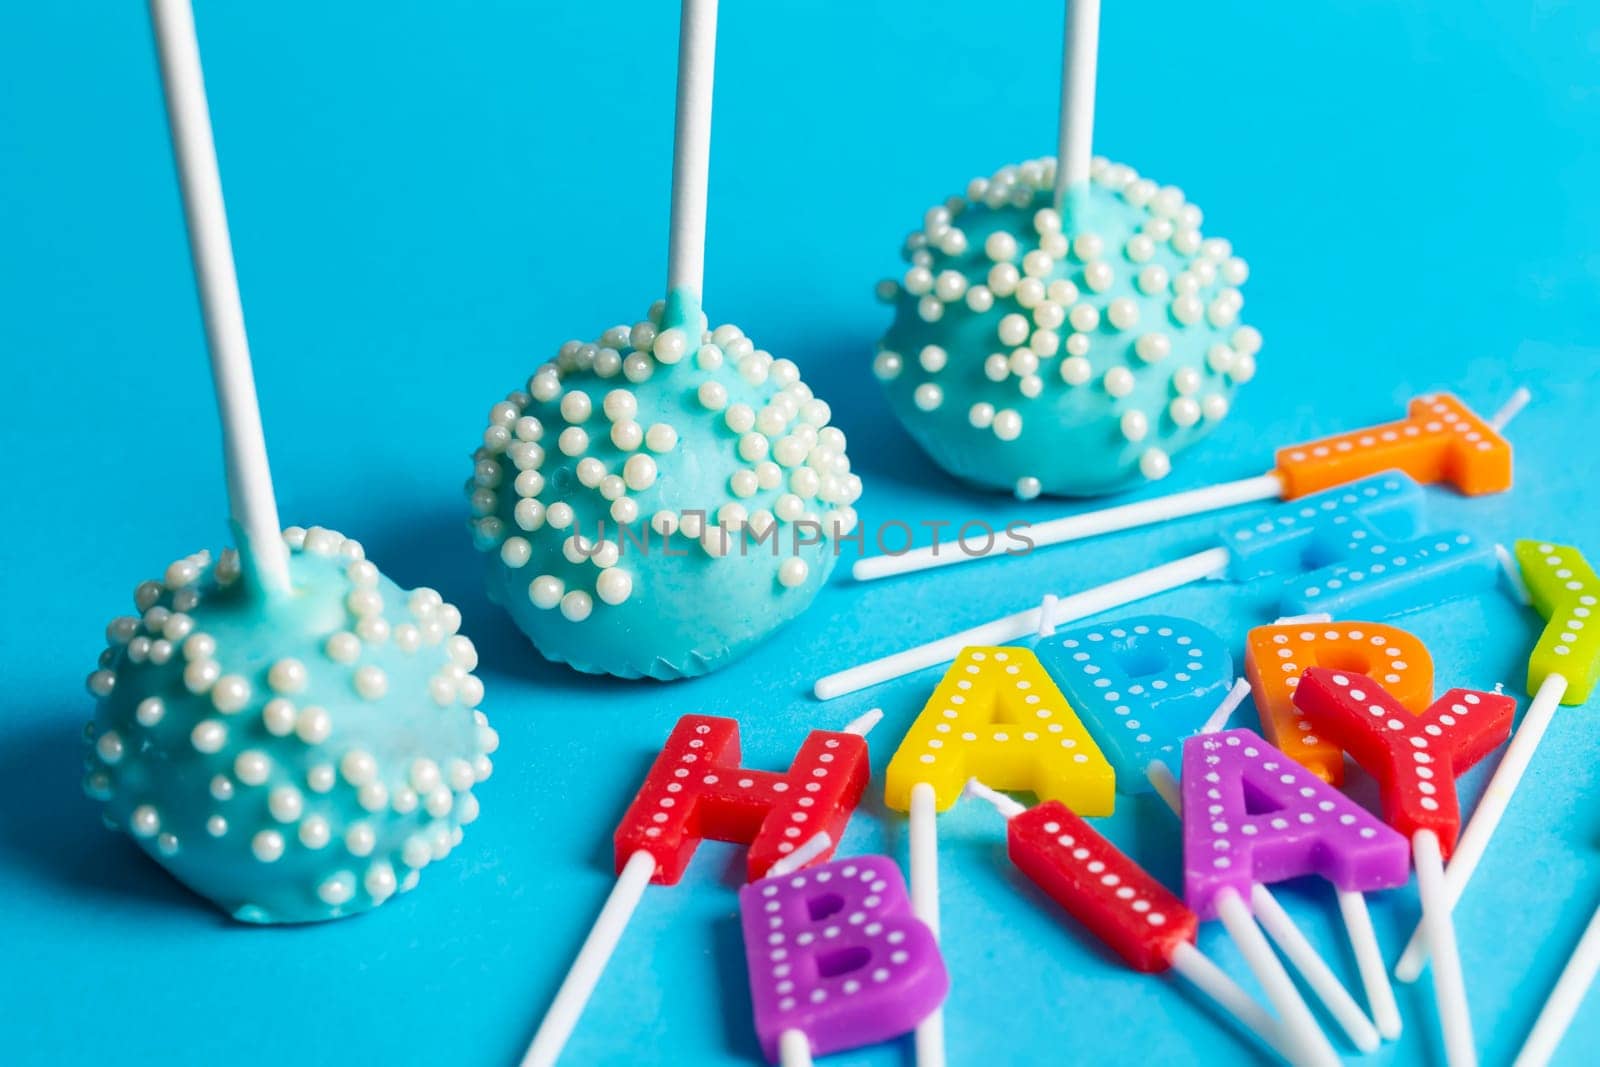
x=427 y=201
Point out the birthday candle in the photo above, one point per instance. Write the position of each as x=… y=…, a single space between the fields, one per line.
x=1361 y=548
x=1119 y=903
x=1563 y=669
x=1254 y=816
x=1142 y=685
x=697 y=790
x=1416 y=759
x=1440 y=440
x=1276 y=655
x=836 y=959
x=996 y=713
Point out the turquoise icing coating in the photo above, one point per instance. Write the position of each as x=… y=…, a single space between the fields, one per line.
x=1067 y=356
x=656 y=502
x=291 y=758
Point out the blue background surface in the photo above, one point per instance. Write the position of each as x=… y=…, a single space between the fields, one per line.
x=426 y=201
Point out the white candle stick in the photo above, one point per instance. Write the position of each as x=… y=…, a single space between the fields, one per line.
x=1449 y=989
x=1513 y=573
x=1300 y=1027
x=252 y=507
x=578 y=985
x=1369 y=962
x=1230 y=704
x=1079 y=527
x=1486 y=817
x=794 y=1049
x=925 y=906
x=1187 y=960
x=1023 y=623
x=1269 y=486
x=1565 y=998
x=1075 y=141
x=1281 y=927
x=691 y=148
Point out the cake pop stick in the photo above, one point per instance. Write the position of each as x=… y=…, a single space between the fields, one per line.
x=1130 y=912
x=253 y=510
x=1338 y=551
x=998 y=713
x=691 y=154
x=836 y=959
x=1564 y=1000
x=1440 y=440
x=696 y=790
x=1563 y=669
x=1416 y=759
x=1075 y=139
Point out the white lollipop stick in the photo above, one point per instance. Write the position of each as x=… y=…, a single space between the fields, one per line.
x=1369 y=962
x=1481 y=826
x=691 y=147
x=578 y=986
x=925 y=906
x=1075 y=142
x=1187 y=960
x=1300 y=1028
x=1023 y=623
x=1282 y=929
x=1089 y=524
x=794 y=1049
x=1558 y=1011
x=252 y=507
x=1449 y=989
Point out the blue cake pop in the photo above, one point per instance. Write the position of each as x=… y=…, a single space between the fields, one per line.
x=1071 y=356
x=290 y=757
x=659 y=500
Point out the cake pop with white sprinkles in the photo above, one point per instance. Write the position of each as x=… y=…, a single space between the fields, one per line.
x=290 y=757
x=1064 y=333
x=658 y=500
x=284 y=729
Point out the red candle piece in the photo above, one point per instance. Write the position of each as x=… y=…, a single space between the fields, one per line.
x=696 y=790
x=1415 y=758
x=1101 y=887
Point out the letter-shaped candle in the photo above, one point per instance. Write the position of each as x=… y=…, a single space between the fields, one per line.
x=1276 y=655
x=836 y=957
x=1562 y=669
x=1252 y=815
x=997 y=715
x=1564 y=589
x=1141 y=684
x=1439 y=440
x=1118 y=902
x=696 y=790
x=1416 y=759
x=1360 y=548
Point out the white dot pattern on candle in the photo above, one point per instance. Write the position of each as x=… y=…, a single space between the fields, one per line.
x=999 y=716
x=1415 y=758
x=1141 y=684
x=1277 y=655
